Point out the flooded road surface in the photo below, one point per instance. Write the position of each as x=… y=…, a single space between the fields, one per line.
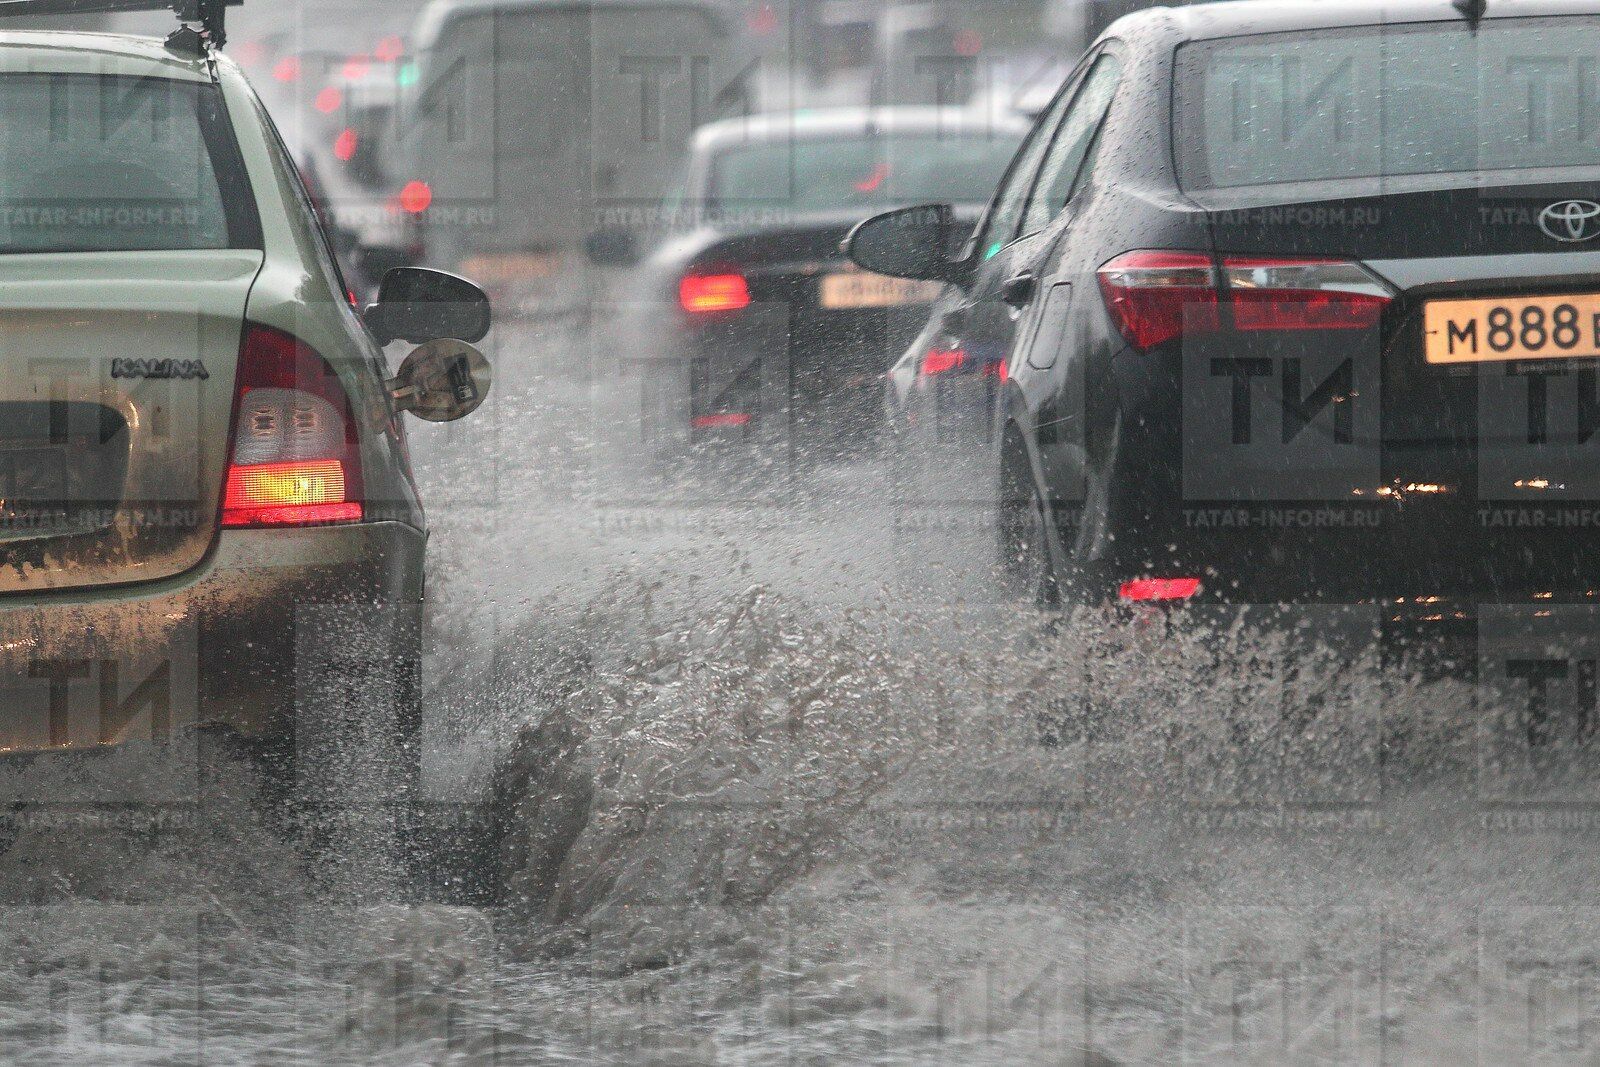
x=768 y=770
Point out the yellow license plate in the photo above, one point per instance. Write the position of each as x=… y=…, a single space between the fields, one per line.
x=840 y=291
x=1507 y=328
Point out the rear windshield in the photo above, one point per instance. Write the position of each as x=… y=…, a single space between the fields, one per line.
x=99 y=163
x=1389 y=101
x=802 y=176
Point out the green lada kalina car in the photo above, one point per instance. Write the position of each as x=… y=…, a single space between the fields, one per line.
x=207 y=515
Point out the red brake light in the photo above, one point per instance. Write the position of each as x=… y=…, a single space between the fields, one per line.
x=416 y=197
x=940 y=360
x=701 y=293
x=329 y=100
x=345 y=145
x=1145 y=590
x=390 y=48
x=1302 y=294
x=1154 y=297
x=295 y=454
x=720 y=422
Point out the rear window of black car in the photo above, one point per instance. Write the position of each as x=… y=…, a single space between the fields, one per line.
x=103 y=163
x=1389 y=101
x=801 y=175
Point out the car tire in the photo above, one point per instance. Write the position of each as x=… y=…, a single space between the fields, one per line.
x=1027 y=568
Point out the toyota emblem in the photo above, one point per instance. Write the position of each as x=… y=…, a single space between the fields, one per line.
x=1571 y=220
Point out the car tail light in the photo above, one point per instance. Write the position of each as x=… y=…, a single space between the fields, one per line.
x=390 y=48
x=416 y=197
x=345 y=145
x=942 y=360
x=730 y=421
x=1147 y=590
x=1302 y=294
x=702 y=293
x=1154 y=297
x=295 y=458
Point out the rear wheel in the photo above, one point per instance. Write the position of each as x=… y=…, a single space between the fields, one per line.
x=1026 y=566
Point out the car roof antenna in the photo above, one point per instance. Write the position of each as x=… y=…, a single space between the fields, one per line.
x=1472 y=10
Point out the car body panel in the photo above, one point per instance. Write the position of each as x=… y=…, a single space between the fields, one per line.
x=226 y=622
x=1125 y=452
x=232 y=642
x=63 y=320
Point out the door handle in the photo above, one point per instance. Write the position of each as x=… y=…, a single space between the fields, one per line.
x=1018 y=292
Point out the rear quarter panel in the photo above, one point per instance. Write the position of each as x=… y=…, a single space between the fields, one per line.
x=298 y=292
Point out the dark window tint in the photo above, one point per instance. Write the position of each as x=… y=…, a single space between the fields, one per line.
x=1059 y=175
x=97 y=163
x=868 y=173
x=1005 y=213
x=1390 y=101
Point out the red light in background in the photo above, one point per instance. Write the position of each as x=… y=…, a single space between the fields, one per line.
x=1145 y=590
x=287 y=69
x=940 y=360
x=390 y=49
x=416 y=197
x=968 y=43
x=357 y=67
x=874 y=181
x=763 y=20
x=329 y=100
x=1001 y=370
x=719 y=422
x=250 y=53
x=701 y=293
x=345 y=145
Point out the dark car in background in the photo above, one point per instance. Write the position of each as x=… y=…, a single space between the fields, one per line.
x=1298 y=303
x=745 y=319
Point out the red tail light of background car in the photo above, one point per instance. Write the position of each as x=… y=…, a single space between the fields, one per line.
x=701 y=294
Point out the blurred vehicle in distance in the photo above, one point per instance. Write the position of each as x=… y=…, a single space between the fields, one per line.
x=534 y=122
x=743 y=318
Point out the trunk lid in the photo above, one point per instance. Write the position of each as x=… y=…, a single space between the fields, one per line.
x=1427 y=240
x=114 y=412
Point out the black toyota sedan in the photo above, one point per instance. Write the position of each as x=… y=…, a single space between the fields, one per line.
x=1295 y=303
x=744 y=319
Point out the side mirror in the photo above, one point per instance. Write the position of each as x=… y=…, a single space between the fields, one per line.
x=418 y=305
x=612 y=248
x=913 y=242
x=442 y=381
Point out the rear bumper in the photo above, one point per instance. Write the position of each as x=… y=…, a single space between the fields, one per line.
x=237 y=642
x=1321 y=510
x=787 y=365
